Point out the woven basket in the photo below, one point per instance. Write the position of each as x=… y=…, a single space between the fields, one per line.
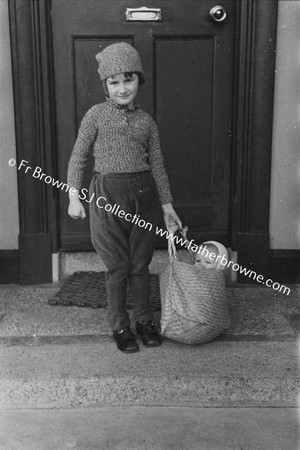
x=194 y=302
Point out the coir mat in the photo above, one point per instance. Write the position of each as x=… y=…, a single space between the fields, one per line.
x=87 y=289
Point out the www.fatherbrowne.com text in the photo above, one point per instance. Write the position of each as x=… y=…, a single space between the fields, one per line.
x=116 y=209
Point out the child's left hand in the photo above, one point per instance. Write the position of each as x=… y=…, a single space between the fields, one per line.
x=171 y=219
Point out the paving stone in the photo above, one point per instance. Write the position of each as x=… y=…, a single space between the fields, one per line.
x=155 y=428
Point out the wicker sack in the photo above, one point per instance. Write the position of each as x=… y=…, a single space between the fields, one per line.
x=194 y=303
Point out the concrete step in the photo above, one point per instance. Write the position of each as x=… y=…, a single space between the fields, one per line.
x=65 y=357
x=66 y=263
x=85 y=374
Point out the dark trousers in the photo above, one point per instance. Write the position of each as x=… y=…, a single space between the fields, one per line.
x=125 y=243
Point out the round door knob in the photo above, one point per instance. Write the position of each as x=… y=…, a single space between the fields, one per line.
x=218 y=13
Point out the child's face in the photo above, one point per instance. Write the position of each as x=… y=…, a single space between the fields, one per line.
x=208 y=260
x=204 y=261
x=123 y=90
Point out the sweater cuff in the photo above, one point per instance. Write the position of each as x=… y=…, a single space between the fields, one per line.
x=165 y=198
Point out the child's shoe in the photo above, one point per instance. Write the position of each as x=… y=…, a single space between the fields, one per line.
x=125 y=340
x=148 y=333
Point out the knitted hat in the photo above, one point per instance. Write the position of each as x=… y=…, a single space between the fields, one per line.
x=119 y=58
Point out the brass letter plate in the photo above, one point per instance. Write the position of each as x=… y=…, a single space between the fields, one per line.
x=143 y=14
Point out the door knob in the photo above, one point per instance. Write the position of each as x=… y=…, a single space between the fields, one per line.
x=218 y=13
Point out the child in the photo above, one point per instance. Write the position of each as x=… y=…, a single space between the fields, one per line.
x=211 y=255
x=129 y=172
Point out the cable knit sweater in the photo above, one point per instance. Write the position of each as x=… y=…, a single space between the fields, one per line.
x=124 y=140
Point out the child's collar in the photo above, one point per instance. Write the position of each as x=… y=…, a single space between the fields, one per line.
x=113 y=103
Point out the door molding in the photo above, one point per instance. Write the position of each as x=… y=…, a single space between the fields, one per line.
x=33 y=83
x=30 y=31
x=252 y=146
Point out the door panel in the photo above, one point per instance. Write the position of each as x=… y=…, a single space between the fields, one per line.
x=188 y=65
x=178 y=66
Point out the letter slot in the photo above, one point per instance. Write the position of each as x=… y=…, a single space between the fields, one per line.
x=143 y=14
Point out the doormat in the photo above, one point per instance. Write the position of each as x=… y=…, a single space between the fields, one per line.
x=87 y=289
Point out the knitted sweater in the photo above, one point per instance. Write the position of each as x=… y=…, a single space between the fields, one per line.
x=124 y=140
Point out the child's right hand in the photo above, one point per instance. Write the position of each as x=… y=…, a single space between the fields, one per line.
x=76 y=209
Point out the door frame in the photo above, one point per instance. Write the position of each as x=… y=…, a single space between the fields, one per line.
x=33 y=84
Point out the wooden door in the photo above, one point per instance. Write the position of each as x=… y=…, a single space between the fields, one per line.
x=188 y=64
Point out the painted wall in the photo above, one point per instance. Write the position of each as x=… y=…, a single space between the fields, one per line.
x=285 y=182
x=9 y=218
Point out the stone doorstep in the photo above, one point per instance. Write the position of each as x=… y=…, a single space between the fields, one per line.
x=62 y=357
x=217 y=374
x=66 y=263
x=258 y=313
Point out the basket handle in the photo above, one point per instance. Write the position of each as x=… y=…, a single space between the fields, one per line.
x=171 y=248
x=171 y=245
